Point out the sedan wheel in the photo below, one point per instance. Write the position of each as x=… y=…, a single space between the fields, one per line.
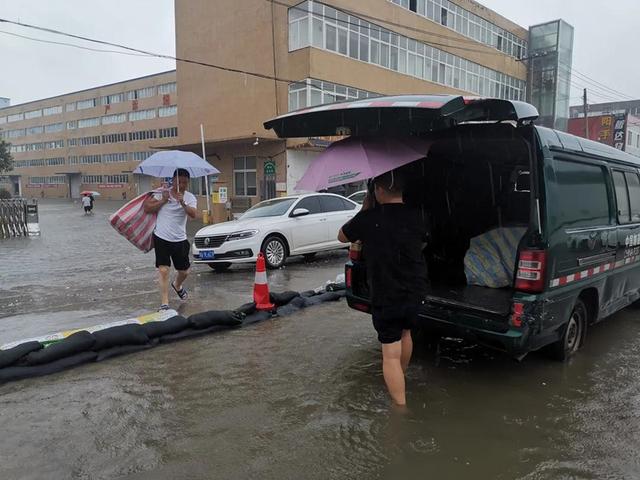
x=275 y=252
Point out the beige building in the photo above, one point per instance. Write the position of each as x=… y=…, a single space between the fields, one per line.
x=321 y=53
x=91 y=139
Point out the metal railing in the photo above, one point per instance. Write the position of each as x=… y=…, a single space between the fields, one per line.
x=18 y=218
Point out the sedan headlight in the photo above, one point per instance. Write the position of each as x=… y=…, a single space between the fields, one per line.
x=242 y=235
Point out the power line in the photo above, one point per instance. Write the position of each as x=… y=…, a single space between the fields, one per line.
x=81 y=47
x=594 y=82
x=148 y=53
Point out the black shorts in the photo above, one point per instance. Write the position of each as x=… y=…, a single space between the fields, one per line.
x=166 y=252
x=390 y=321
x=87 y=209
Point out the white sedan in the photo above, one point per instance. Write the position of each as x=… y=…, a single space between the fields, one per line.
x=281 y=227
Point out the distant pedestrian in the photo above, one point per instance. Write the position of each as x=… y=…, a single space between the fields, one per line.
x=86 y=203
x=92 y=202
x=173 y=206
x=392 y=236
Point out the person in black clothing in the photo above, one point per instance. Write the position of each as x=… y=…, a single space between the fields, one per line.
x=393 y=236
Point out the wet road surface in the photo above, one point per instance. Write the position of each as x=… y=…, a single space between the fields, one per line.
x=299 y=397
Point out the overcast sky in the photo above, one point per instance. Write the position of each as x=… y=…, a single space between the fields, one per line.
x=605 y=49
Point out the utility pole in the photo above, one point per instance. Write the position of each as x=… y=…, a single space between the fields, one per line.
x=586 y=114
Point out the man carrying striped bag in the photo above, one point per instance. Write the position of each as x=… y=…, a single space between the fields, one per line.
x=173 y=207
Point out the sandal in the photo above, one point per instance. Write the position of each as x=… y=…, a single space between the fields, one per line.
x=164 y=307
x=182 y=293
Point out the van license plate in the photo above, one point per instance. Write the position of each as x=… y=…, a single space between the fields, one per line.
x=207 y=255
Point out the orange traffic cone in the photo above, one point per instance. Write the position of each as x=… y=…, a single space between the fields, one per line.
x=261 y=287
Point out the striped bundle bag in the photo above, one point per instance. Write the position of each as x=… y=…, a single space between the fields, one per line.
x=134 y=224
x=491 y=258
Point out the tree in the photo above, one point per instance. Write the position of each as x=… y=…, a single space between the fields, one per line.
x=6 y=160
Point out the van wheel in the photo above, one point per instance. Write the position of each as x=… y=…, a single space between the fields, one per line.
x=573 y=333
x=274 y=251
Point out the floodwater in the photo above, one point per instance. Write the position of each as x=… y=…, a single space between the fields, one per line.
x=299 y=397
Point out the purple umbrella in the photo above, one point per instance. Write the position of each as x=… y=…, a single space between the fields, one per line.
x=360 y=158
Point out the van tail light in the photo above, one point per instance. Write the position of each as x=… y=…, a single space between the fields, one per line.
x=532 y=266
x=348 y=277
x=355 y=251
x=516 y=314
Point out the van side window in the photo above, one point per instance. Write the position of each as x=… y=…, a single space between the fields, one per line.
x=581 y=198
x=622 y=197
x=633 y=183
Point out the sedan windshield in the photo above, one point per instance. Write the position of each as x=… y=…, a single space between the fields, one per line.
x=270 y=208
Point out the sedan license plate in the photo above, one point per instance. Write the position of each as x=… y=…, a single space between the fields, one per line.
x=207 y=255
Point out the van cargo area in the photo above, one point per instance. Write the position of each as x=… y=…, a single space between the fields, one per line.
x=470 y=183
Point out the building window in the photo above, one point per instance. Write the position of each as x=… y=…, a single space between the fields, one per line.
x=142 y=115
x=72 y=125
x=20 y=132
x=244 y=177
x=52 y=110
x=90 y=159
x=114 y=138
x=141 y=93
x=73 y=160
x=630 y=139
x=15 y=117
x=54 y=144
x=114 y=157
x=140 y=156
x=55 y=161
x=142 y=135
x=89 y=122
x=166 y=88
x=33 y=147
x=91 y=179
x=20 y=163
x=3 y=120
x=112 y=119
x=83 y=141
x=35 y=130
x=84 y=104
x=116 y=179
x=32 y=114
x=37 y=162
x=311 y=92
x=70 y=107
x=54 y=127
x=168 y=111
x=379 y=46
x=168 y=132
x=111 y=99
x=54 y=180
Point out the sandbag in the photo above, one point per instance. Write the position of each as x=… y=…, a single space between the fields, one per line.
x=167 y=327
x=12 y=355
x=283 y=298
x=256 y=317
x=323 y=297
x=124 y=350
x=308 y=293
x=292 y=307
x=131 y=334
x=247 y=308
x=208 y=319
x=17 y=372
x=336 y=287
x=76 y=343
x=191 y=332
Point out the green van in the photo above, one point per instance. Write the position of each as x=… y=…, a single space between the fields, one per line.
x=572 y=205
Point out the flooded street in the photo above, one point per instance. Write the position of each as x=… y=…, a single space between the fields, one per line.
x=297 y=397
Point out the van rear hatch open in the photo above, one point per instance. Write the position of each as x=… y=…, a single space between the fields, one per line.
x=467 y=185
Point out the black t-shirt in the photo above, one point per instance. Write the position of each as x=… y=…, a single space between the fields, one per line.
x=393 y=236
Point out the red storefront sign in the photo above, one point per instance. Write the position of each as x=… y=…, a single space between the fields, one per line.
x=601 y=128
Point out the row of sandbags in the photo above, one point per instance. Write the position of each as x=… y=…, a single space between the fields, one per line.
x=34 y=358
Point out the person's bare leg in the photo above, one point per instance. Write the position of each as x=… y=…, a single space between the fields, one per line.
x=392 y=371
x=163 y=275
x=182 y=276
x=407 y=349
